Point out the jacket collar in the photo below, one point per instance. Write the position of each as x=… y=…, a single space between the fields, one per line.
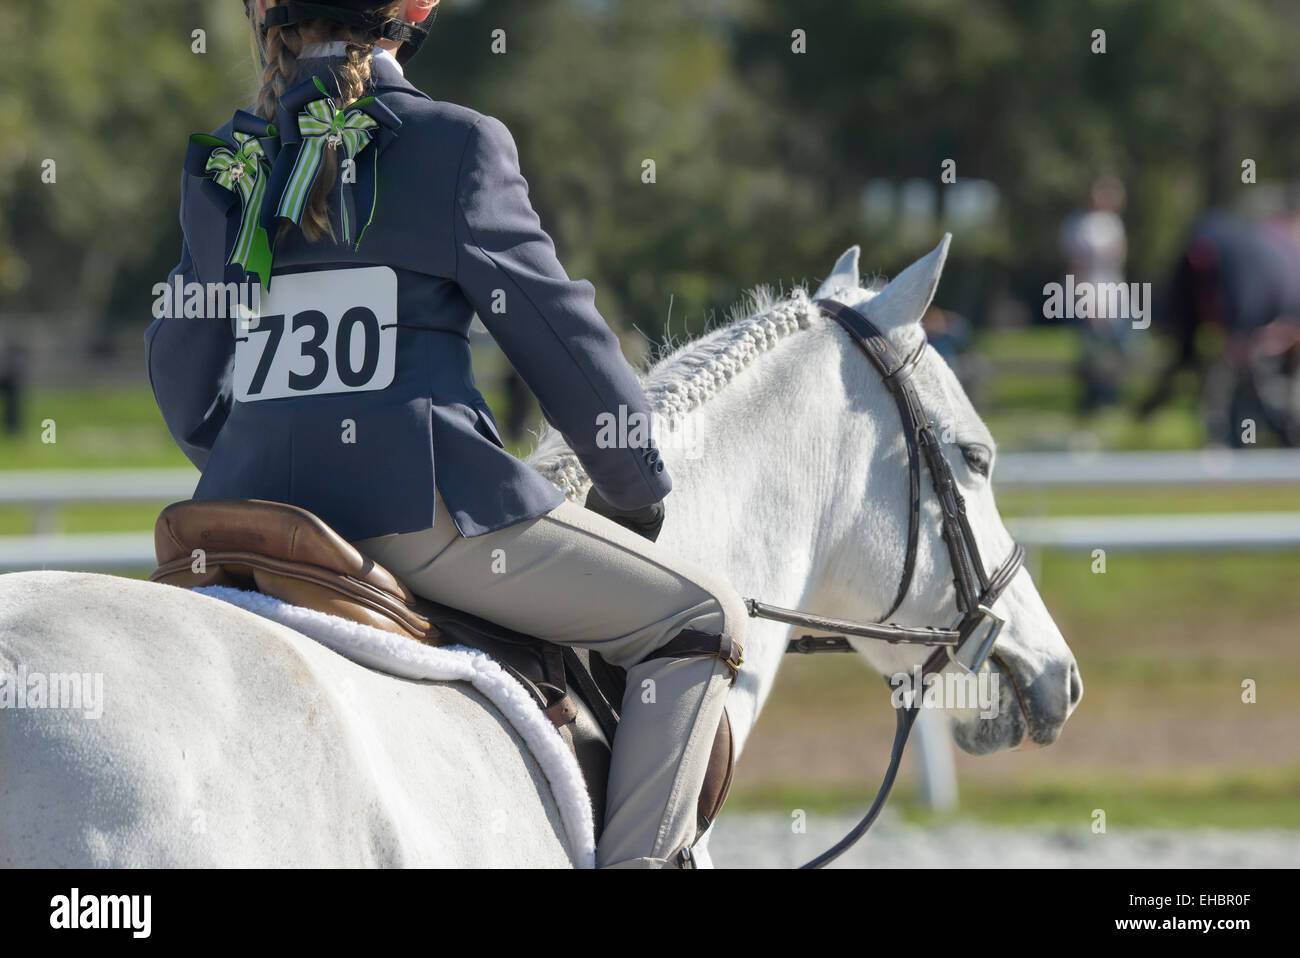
x=388 y=75
x=338 y=48
x=386 y=72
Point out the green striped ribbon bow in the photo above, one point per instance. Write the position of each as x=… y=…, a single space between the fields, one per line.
x=243 y=170
x=322 y=127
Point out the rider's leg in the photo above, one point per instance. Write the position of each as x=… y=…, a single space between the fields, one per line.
x=576 y=578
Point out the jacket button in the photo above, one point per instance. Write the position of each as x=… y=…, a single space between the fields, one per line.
x=659 y=467
x=652 y=455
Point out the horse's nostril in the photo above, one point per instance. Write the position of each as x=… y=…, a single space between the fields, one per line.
x=1076 y=685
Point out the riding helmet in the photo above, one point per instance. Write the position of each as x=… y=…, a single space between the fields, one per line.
x=361 y=14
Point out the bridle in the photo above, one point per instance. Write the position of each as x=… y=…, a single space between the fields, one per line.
x=977 y=590
x=969 y=641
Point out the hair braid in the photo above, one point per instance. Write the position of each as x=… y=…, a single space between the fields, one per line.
x=279 y=53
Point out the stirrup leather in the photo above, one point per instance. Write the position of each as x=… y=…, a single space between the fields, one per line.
x=691 y=643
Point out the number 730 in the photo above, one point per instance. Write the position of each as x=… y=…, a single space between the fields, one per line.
x=314 y=348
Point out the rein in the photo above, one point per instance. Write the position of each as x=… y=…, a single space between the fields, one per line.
x=977 y=590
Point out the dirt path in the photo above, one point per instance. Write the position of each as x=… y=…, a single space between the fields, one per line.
x=766 y=840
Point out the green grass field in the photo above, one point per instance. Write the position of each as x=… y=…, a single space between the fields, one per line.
x=114 y=427
x=1036 y=409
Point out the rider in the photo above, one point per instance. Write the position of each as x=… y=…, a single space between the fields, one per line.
x=391 y=443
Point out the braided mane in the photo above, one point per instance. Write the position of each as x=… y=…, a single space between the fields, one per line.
x=686 y=378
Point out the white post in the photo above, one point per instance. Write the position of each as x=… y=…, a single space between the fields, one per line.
x=45 y=519
x=935 y=758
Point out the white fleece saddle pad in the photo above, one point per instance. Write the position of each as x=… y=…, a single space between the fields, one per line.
x=394 y=655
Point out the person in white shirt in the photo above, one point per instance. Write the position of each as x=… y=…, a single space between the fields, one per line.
x=1095 y=247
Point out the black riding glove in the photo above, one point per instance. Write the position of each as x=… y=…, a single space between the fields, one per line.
x=644 y=522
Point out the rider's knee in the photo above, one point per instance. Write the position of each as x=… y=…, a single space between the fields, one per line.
x=715 y=631
x=733 y=611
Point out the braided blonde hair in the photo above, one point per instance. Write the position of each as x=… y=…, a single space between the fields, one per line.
x=279 y=56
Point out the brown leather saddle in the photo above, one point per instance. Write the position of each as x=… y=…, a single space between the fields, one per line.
x=290 y=554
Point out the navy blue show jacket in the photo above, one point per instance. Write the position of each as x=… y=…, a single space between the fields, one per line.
x=453 y=223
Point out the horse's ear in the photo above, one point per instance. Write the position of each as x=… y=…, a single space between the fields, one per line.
x=844 y=275
x=909 y=294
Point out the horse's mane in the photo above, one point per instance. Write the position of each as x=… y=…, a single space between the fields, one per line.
x=685 y=377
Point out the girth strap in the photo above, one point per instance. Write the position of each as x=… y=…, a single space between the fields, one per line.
x=562 y=709
x=602 y=709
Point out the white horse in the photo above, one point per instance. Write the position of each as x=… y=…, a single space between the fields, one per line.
x=227 y=739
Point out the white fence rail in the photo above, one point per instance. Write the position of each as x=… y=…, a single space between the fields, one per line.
x=102 y=552
x=1209 y=467
x=1198 y=532
x=46 y=492
x=1014 y=470
x=42 y=488
x=1161 y=533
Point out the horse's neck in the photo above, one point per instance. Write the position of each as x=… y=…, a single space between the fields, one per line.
x=755 y=492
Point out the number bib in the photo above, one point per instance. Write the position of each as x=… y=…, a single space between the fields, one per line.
x=333 y=331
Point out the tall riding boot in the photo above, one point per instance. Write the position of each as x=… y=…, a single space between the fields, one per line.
x=671 y=712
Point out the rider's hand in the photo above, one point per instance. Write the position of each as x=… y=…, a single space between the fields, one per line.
x=644 y=522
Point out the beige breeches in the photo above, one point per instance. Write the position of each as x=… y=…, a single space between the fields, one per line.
x=576 y=578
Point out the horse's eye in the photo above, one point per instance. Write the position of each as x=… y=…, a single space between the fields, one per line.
x=978 y=457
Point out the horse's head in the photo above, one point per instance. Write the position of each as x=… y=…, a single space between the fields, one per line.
x=1030 y=683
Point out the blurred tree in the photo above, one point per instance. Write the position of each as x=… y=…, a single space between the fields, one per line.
x=1013 y=92
x=109 y=94
x=593 y=93
x=760 y=153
